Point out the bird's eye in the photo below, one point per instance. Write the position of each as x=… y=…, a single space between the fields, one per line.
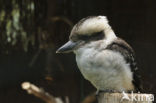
x=94 y=36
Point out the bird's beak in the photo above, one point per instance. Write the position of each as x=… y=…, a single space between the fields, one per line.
x=67 y=47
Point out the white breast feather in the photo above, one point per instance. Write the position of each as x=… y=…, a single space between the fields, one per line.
x=105 y=70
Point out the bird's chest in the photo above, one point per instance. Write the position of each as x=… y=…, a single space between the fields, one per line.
x=90 y=65
x=85 y=63
x=103 y=69
x=85 y=59
x=93 y=69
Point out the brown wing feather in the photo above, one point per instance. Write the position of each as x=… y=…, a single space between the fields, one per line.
x=122 y=47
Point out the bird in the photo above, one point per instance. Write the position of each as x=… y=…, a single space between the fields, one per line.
x=104 y=59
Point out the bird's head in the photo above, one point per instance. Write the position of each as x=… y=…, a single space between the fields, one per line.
x=88 y=30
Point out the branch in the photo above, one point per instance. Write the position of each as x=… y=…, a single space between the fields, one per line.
x=40 y=93
x=64 y=19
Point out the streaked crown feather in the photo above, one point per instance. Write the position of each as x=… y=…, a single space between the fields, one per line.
x=90 y=25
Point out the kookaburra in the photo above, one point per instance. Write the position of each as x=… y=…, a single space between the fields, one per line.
x=104 y=59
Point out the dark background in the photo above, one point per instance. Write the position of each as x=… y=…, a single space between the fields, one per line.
x=132 y=20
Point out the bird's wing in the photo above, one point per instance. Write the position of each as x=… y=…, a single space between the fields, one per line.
x=122 y=47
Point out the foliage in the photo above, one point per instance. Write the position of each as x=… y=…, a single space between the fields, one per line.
x=17 y=23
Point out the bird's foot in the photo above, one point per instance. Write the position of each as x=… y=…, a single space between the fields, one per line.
x=105 y=91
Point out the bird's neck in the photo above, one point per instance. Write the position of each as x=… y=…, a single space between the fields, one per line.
x=109 y=35
x=91 y=47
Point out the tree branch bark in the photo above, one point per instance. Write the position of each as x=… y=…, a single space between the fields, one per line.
x=40 y=93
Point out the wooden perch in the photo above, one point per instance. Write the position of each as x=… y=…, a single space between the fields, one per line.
x=40 y=93
x=125 y=98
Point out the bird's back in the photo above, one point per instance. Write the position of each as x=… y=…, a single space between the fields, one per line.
x=128 y=53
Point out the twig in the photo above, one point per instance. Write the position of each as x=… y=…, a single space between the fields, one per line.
x=64 y=19
x=40 y=93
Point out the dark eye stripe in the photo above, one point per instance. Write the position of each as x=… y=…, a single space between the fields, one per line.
x=95 y=36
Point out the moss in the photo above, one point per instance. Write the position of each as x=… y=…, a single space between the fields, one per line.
x=2 y=15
